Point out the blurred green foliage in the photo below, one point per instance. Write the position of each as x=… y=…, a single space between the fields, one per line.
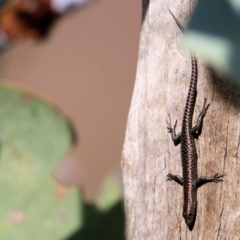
x=104 y=219
x=34 y=137
x=213 y=33
x=99 y=225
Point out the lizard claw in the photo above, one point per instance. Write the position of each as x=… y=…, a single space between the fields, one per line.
x=169 y=127
x=169 y=177
x=204 y=108
x=218 y=177
x=175 y=178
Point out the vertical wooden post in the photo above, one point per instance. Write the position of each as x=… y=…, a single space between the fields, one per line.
x=153 y=205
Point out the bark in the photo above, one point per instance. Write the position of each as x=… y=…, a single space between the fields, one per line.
x=153 y=205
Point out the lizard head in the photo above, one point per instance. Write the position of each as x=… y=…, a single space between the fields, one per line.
x=189 y=214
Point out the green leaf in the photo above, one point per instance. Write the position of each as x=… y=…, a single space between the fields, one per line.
x=34 y=136
x=213 y=33
x=110 y=194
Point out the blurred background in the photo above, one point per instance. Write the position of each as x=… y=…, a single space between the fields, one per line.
x=87 y=66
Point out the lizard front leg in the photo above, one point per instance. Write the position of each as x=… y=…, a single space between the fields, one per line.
x=216 y=178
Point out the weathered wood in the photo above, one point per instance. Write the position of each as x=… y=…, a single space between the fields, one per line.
x=153 y=205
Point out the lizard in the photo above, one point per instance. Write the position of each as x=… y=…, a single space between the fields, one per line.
x=190 y=180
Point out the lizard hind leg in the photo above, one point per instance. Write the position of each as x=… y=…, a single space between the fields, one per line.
x=176 y=138
x=197 y=129
x=175 y=178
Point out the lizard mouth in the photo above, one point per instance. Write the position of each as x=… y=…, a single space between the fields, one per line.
x=190 y=220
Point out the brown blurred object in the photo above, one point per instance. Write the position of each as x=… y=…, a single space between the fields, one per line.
x=31 y=19
x=88 y=66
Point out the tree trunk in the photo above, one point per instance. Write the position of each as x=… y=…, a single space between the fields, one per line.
x=153 y=205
